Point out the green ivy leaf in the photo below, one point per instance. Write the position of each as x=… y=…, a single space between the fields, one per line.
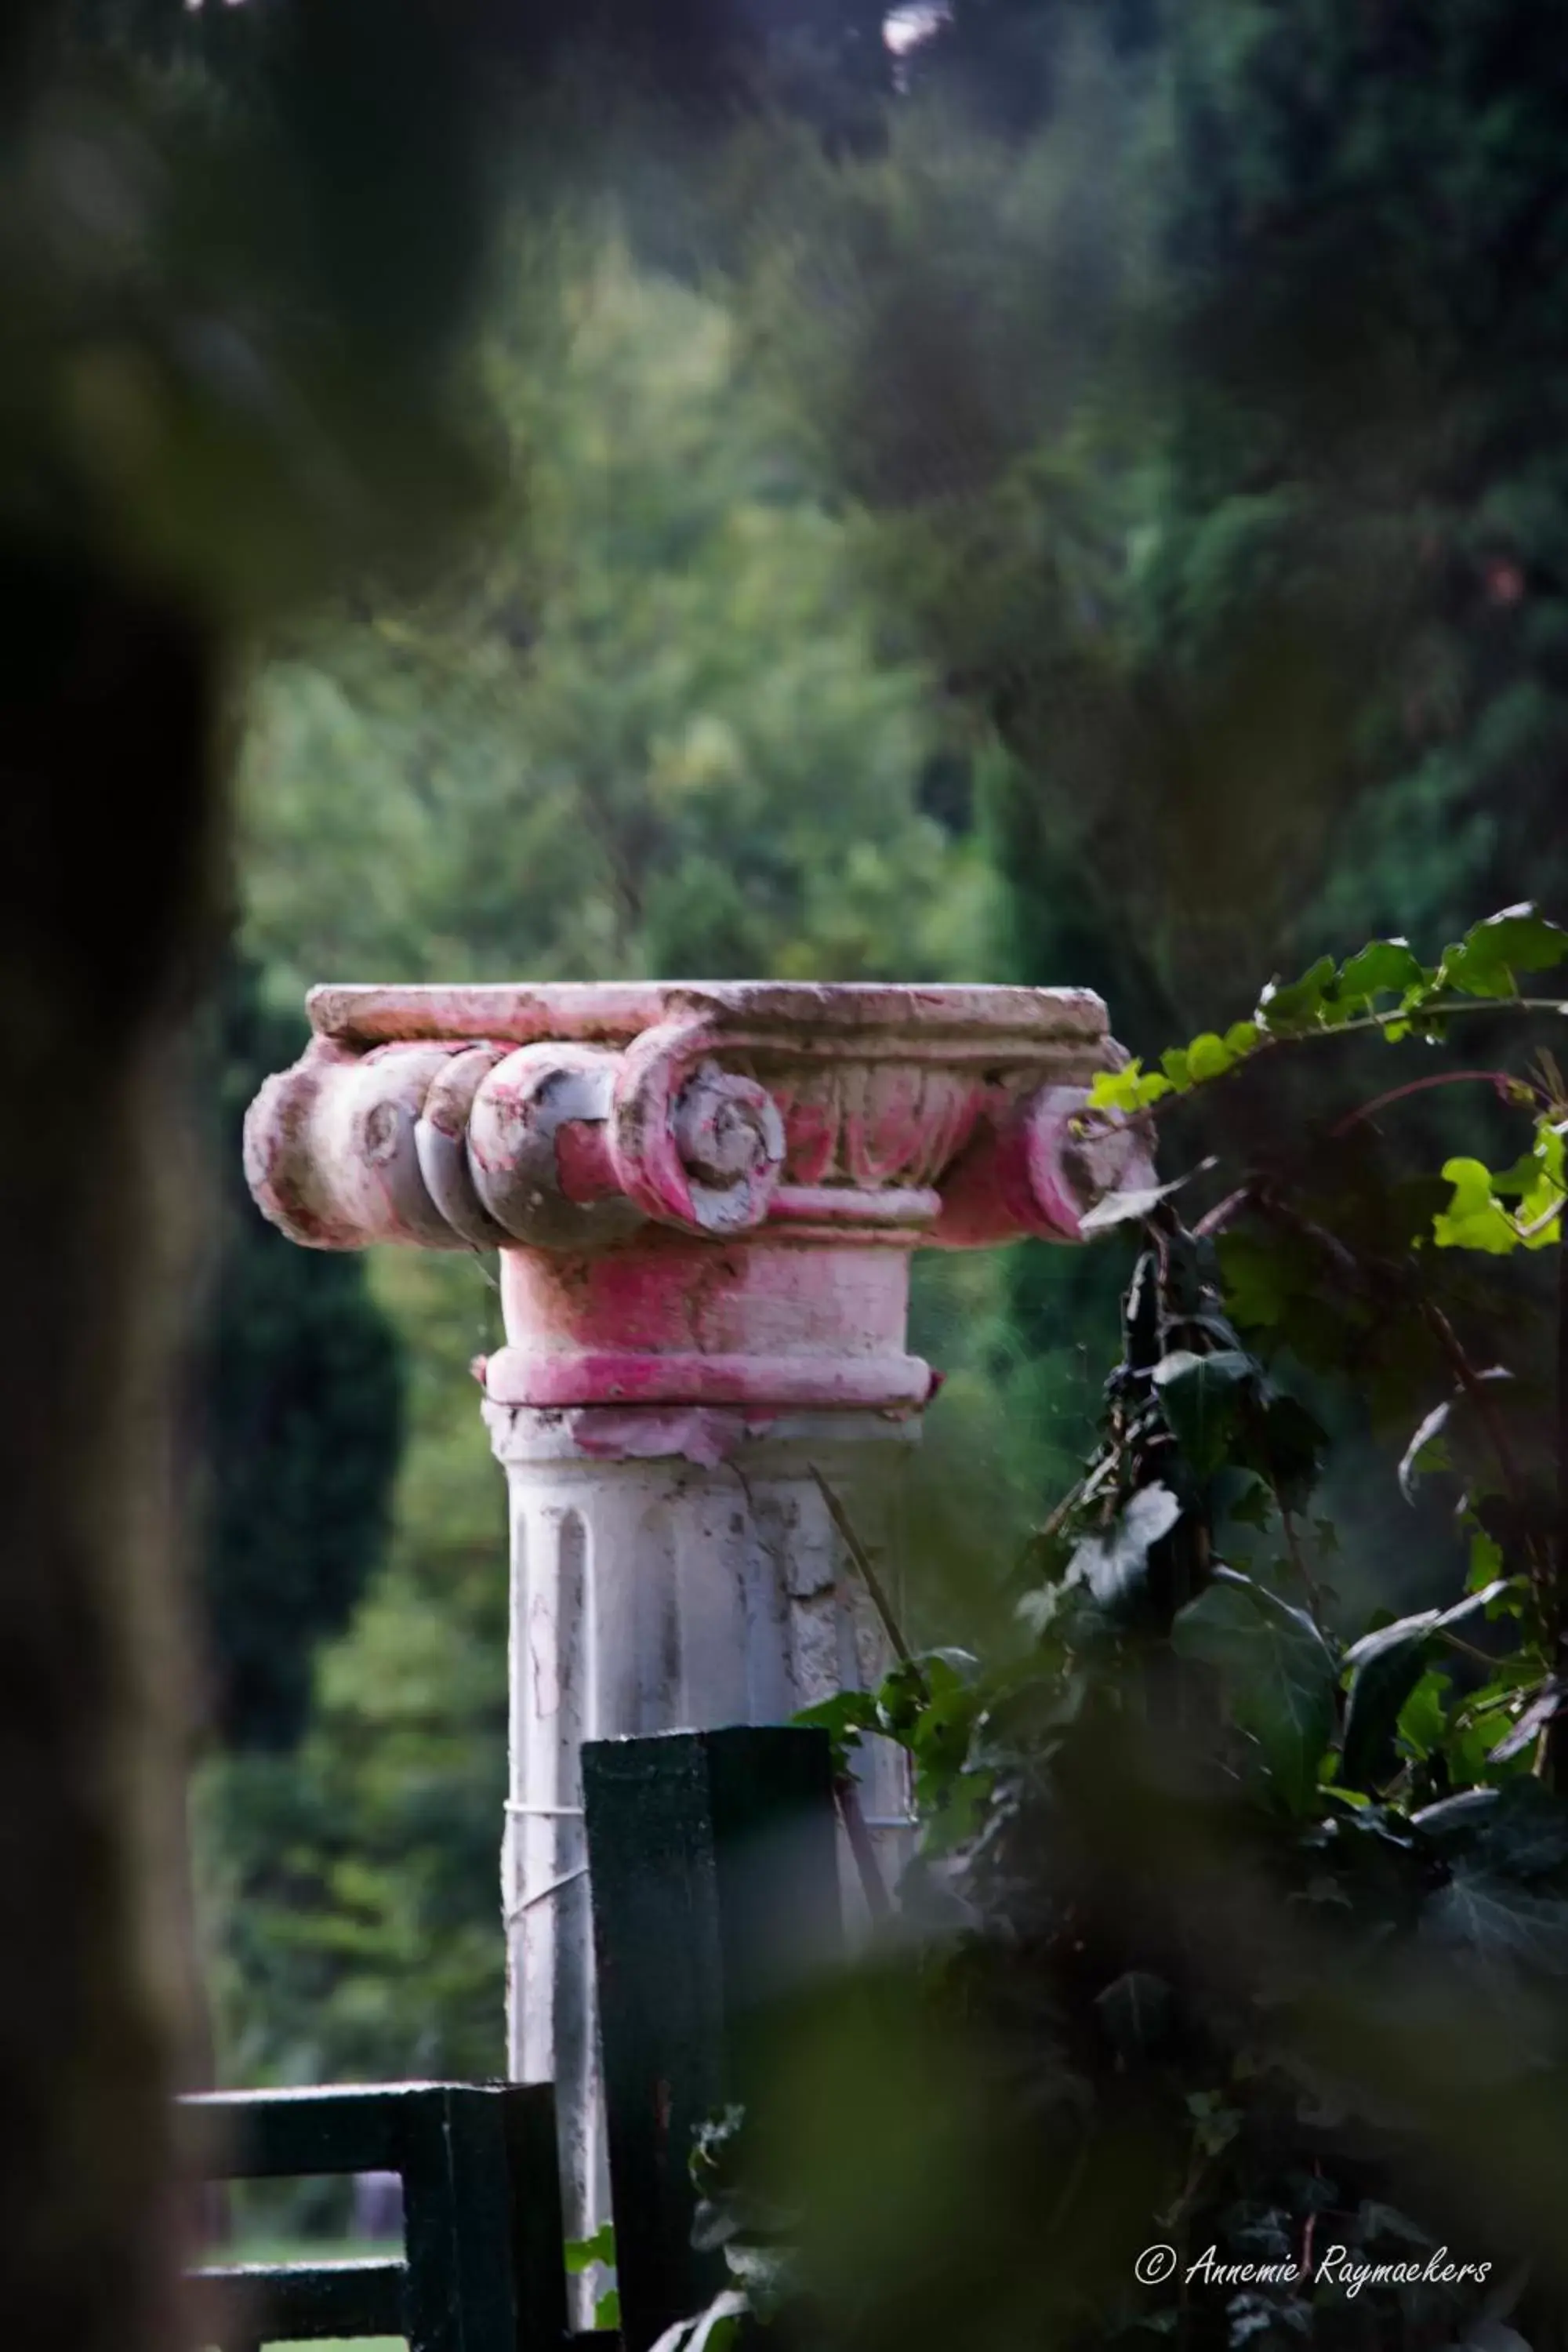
x=1456 y=1820
x=1496 y=1923
x=846 y=1717
x=901 y=1700
x=1289 y=1009
x=1382 y=968
x=1278 y=1673
x=1114 y=1565
x=1208 y=1057
x=582 y=2254
x=1424 y=1719
x=1524 y=1832
x=1542 y=1197
x=1386 y=1668
x=1486 y=1561
x=1246 y=1498
x=1258 y=1274
x=1129 y=1090
x=1475 y=1218
x=1202 y=1397
x=1215 y=2122
x=1286 y=1443
x=1469 y=1749
x=1485 y=961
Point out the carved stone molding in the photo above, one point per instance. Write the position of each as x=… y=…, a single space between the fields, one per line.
x=704 y=1194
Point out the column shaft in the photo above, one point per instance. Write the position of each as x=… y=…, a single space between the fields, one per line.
x=654 y=1592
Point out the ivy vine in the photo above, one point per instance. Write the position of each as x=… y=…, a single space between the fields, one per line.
x=1291 y=1887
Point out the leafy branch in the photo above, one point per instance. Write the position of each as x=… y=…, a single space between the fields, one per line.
x=1475 y=975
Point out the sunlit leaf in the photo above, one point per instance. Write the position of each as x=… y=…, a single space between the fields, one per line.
x=1385 y=967
x=1475 y=1219
x=1423 y=1717
x=1208 y=1057
x=1126 y=1208
x=1485 y=961
x=1485 y=1561
x=1423 y=1451
x=1129 y=1090
x=582 y=2254
x=1529 y=1725
x=1291 y=1008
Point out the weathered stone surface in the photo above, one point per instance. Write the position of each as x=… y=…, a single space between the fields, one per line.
x=607 y=1138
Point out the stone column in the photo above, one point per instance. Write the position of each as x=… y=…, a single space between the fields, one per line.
x=705 y=1200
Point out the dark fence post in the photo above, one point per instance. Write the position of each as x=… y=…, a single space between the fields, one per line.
x=715 y=1892
x=457 y=2220
x=538 y=2231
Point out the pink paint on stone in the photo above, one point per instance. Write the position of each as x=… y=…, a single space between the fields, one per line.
x=704 y=1195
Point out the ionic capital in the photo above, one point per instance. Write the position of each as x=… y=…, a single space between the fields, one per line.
x=642 y=1155
x=565 y=1118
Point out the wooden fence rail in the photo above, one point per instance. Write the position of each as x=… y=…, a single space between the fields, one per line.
x=714 y=1871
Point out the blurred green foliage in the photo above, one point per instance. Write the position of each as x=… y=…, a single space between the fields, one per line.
x=649 y=726
x=351 y=1884
x=1238 y=1925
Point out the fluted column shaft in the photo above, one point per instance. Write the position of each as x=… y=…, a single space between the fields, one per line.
x=657 y=1593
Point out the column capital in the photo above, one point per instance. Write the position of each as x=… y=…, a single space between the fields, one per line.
x=705 y=1193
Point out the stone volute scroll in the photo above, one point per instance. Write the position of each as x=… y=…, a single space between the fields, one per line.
x=705 y=1199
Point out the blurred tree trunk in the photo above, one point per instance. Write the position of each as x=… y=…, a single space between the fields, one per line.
x=107 y=809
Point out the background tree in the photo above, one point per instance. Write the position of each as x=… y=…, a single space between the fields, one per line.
x=652 y=726
x=301 y=1392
